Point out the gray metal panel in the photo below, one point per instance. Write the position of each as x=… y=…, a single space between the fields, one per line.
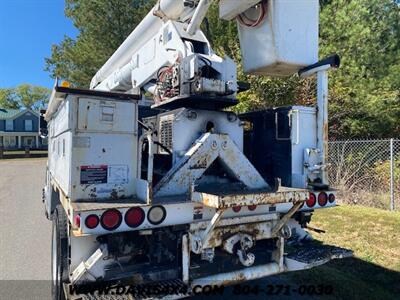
x=106 y=139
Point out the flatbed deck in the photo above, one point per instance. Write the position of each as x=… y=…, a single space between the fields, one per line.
x=208 y=197
x=225 y=199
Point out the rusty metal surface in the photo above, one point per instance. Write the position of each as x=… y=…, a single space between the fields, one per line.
x=257 y=226
x=259 y=231
x=286 y=218
x=226 y=200
x=314 y=253
x=236 y=221
x=238 y=276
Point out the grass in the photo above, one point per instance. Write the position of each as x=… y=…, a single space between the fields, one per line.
x=372 y=198
x=374 y=236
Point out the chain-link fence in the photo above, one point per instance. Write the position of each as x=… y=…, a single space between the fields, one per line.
x=366 y=172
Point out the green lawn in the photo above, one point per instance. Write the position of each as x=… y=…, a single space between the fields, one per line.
x=374 y=236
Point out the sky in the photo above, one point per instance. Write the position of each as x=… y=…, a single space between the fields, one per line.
x=28 y=28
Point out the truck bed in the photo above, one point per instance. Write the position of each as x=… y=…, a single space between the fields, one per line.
x=222 y=197
x=211 y=197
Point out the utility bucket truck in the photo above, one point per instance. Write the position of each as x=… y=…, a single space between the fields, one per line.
x=162 y=196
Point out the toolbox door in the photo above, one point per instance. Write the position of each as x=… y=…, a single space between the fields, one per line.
x=98 y=115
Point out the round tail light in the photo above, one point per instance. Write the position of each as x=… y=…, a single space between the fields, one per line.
x=111 y=219
x=311 y=200
x=236 y=209
x=322 y=199
x=331 y=198
x=92 y=221
x=252 y=207
x=156 y=215
x=134 y=217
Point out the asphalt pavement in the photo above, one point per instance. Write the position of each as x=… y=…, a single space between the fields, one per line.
x=25 y=233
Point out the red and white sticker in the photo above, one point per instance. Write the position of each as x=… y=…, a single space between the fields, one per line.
x=94 y=174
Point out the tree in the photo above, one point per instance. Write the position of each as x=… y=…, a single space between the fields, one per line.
x=24 y=96
x=364 y=92
x=103 y=25
x=365 y=97
x=7 y=100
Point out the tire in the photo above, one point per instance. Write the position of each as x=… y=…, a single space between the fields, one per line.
x=59 y=253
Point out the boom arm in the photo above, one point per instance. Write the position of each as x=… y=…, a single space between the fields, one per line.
x=168 y=55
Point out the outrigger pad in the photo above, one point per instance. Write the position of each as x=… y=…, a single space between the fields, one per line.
x=199 y=102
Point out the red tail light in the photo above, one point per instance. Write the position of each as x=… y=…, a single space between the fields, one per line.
x=236 y=209
x=311 y=200
x=252 y=207
x=111 y=219
x=322 y=199
x=92 y=221
x=77 y=221
x=331 y=198
x=134 y=217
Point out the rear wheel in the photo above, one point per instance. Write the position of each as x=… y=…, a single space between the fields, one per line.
x=59 y=253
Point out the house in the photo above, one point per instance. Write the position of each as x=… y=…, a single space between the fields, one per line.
x=19 y=129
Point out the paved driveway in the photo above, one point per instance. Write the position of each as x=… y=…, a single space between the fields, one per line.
x=25 y=234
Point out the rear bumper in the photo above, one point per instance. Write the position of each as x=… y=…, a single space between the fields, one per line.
x=306 y=257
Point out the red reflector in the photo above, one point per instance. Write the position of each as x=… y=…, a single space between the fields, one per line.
x=331 y=198
x=322 y=199
x=236 y=208
x=252 y=207
x=111 y=219
x=92 y=221
x=134 y=217
x=311 y=200
x=77 y=221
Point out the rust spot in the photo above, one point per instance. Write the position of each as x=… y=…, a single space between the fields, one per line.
x=114 y=194
x=200 y=164
x=92 y=193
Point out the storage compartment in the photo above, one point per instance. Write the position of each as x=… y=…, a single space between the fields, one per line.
x=275 y=141
x=105 y=115
x=93 y=147
x=285 y=41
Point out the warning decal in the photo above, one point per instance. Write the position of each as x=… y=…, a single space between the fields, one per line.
x=118 y=174
x=94 y=174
